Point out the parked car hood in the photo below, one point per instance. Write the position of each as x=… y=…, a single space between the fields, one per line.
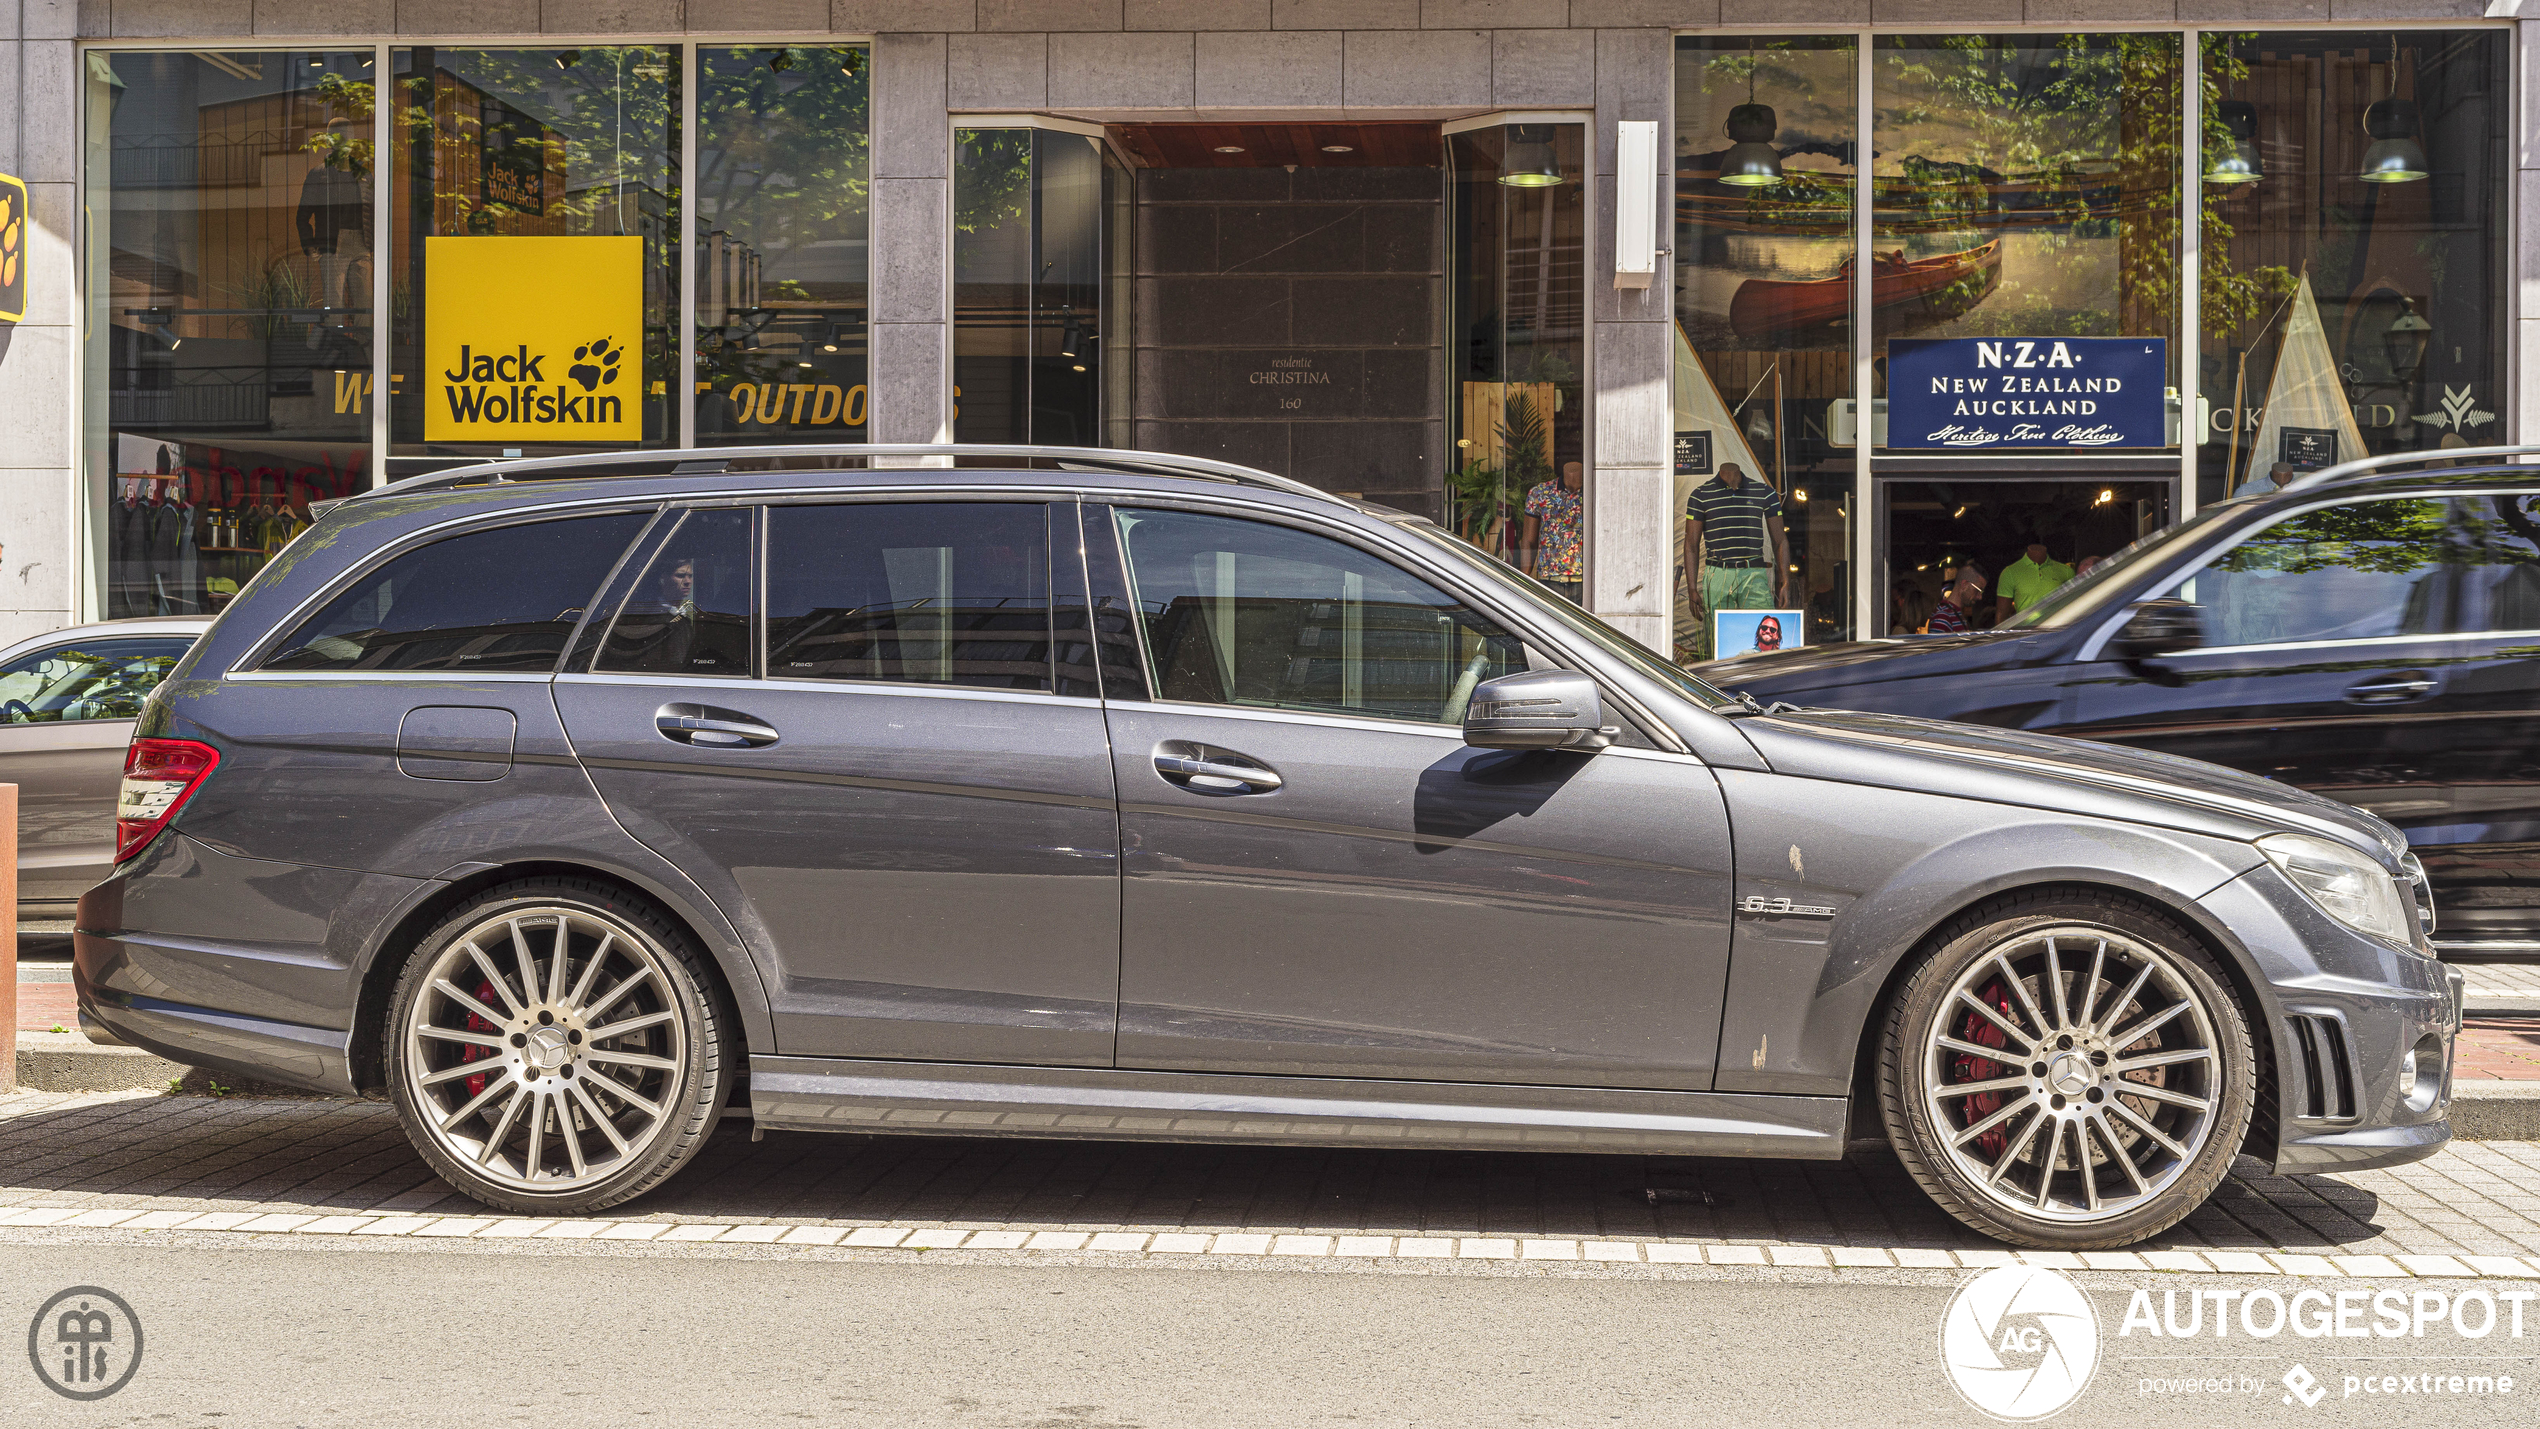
x=1782 y=672
x=2053 y=772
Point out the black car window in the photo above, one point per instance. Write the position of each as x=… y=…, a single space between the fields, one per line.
x=2363 y=570
x=943 y=593
x=1247 y=613
x=87 y=679
x=690 y=612
x=502 y=599
x=2499 y=537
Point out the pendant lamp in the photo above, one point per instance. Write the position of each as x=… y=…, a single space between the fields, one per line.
x=1532 y=164
x=2236 y=162
x=1751 y=162
x=2395 y=157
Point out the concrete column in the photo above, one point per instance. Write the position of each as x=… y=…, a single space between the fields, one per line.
x=1632 y=525
x=2525 y=353
x=911 y=382
x=40 y=356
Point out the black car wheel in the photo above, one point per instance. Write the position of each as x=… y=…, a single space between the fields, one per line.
x=555 y=1046
x=2068 y=1071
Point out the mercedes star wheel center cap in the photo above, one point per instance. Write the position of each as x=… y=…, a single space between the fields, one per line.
x=2070 y=1074
x=548 y=1049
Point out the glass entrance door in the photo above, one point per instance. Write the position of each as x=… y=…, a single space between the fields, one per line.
x=1963 y=552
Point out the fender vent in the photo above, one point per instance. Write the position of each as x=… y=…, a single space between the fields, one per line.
x=2319 y=1084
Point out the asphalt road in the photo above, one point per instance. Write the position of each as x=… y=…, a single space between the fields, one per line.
x=413 y=1336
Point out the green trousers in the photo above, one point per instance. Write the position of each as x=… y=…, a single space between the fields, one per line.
x=1731 y=588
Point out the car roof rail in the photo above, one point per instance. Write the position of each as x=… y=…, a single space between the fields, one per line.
x=822 y=457
x=2446 y=455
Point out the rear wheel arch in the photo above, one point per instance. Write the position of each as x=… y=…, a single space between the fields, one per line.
x=388 y=957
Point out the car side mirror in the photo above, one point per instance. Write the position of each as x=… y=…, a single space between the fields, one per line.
x=1538 y=709
x=2159 y=627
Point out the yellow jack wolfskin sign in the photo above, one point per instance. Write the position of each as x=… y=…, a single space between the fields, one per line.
x=533 y=339
x=13 y=236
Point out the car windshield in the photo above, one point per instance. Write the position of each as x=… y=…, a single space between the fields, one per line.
x=2077 y=598
x=107 y=681
x=1605 y=637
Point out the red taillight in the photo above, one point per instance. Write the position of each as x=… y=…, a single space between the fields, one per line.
x=158 y=776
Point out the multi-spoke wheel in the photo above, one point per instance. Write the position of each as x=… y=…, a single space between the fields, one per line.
x=2069 y=1071
x=555 y=1046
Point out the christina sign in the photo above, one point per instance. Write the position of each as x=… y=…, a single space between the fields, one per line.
x=2070 y=393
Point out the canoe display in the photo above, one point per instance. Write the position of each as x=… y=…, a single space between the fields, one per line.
x=1914 y=294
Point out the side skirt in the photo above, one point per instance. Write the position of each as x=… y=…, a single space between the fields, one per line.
x=951 y=1099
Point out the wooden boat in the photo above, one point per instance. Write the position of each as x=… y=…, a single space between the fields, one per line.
x=1913 y=294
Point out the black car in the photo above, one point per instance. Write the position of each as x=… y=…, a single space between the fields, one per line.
x=2370 y=632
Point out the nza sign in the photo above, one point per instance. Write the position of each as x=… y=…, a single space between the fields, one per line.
x=1978 y=393
x=533 y=339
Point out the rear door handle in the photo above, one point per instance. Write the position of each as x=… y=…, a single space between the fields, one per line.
x=1218 y=774
x=2392 y=689
x=706 y=727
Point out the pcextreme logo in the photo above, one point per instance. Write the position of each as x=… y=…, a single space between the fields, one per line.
x=533 y=339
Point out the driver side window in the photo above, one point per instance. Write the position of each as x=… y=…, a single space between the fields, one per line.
x=101 y=680
x=1240 y=612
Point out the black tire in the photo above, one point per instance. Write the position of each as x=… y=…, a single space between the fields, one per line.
x=646 y=1099
x=2076 y=1196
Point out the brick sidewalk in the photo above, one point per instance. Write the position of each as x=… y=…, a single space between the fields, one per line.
x=322 y=1157
x=2496 y=1047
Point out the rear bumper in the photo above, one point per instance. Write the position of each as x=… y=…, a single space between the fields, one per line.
x=249 y=1048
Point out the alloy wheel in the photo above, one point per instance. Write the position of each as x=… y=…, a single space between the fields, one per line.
x=2073 y=1074
x=545 y=1048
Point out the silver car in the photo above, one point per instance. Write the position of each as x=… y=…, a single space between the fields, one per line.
x=67 y=701
x=576 y=803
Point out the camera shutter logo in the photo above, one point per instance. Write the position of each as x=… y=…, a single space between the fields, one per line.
x=85 y=1343
x=2020 y=1343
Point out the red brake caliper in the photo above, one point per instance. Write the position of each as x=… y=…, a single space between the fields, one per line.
x=476 y=1084
x=1972 y=1068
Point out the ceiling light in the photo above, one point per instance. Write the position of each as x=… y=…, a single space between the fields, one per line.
x=1751 y=162
x=2395 y=157
x=567 y=59
x=1801 y=494
x=1531 y=163
x=1230 y=148
x=1340 y=148
x=2237 y=161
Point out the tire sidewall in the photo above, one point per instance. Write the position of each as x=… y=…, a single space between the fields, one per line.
x=705 y=1078
x=1903 y=1074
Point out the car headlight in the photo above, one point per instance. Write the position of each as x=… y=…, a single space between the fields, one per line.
x=2347 y=885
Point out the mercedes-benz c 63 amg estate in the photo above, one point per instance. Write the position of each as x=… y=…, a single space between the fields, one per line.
x=575 y=804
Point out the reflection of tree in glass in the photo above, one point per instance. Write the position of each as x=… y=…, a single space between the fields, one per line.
x=2380 y=537
x=603 y=124
x=996 y=178
x=2231 y=298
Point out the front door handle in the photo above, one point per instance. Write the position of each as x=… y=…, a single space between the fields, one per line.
x=1203 y=770
x=706 y=727
x=2392 y=689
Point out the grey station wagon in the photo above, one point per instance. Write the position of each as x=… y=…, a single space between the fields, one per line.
x=575 y=802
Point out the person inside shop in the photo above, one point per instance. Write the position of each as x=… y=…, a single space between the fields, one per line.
x=2028 y=580
x=1951 y=616
x=1734 y=539
x=1548 y=548
x=1913 y=609
x=2274 y=481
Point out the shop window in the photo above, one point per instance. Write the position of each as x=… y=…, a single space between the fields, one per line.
x=229 y=311
x=1516 y=354
x=500 y=349
x=690 y=613
x=783 y=258
x=504 y=599
x=2354 y=249
x=1248 y=613
x=1036 y=338
x=1764 y=238
x=947 y=593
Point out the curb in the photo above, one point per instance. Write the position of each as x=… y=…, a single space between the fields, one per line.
x=2496 y=1111
x=69 y=1062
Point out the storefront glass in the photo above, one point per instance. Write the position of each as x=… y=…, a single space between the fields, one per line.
x=2354 y=248
x=229 y=311
x=1764 y=239
x=1031 y=329
x=784 y=210
x=1516 y=345
x=545 y=144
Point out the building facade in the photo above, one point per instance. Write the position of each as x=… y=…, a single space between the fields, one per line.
x=2112 y=259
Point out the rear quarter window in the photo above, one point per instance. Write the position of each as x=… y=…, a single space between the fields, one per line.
x=499 y=600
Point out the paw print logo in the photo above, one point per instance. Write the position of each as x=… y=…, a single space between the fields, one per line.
x=12 y=239
x=595 y=364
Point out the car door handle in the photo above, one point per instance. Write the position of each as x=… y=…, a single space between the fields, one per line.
x=709 y=728
x=2392 y=689
x=1217 y=776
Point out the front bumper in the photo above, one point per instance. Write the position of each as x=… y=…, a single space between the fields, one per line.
x=2342 y=1012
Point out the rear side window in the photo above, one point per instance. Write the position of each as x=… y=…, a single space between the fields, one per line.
x=690 y=612
x=941 y=593
x=505 y=599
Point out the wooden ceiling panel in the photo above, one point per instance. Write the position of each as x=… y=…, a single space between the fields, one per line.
x=1261 y=146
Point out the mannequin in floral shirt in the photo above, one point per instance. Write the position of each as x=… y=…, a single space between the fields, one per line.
x=1548 y=549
